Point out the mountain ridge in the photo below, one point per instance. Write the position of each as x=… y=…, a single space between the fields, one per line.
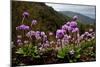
x=82 y=18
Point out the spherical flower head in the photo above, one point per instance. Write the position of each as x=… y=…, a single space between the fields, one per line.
x=82 y=36
x=30 y=33
x=68 y=23
x=46 y=44
x=69 y=28
x=65 y=36
x=65 y=39
x=44 y=37
x=25 y=14
x=93 y=33
x=60 y=33
x=75 y=30
x=73 y=24
x=42 y=33
x=63 y=31
x=89 y=35
x=23 y=27
x=27 y=27
x=38 y=32
x=75 y=18
x=86 y=33
x=34 y=22
x=65 y=27
x=37 y=35
x=69 y=37
x=19 y=41
x=58 y=42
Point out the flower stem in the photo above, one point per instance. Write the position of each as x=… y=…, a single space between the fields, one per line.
x=61 y=45
x=23 y=19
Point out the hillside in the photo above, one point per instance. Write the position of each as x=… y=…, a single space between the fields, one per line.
x=48 y=19
x=45 y=15
x=82 y=18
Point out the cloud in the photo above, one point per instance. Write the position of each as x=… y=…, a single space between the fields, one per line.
x=83 y=9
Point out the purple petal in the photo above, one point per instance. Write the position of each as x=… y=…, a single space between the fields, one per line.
x=25 y=14
x=34 y=22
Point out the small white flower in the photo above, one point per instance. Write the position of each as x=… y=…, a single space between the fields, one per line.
x=72 y=52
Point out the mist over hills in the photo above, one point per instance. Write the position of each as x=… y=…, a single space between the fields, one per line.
x=81 y=18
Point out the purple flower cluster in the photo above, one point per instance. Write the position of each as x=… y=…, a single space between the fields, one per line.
x=34 y=22
x=63 y=33
x=75 y=18
x=23 y=27
x=87 y=35
x=64 y=36
x=30 y=34
x=70 y=27
x=25 y=14
x=39 y=35
x=60 y=33
x=19 y=41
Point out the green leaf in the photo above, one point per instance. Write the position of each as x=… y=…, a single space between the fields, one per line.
x=59 y=56
x=20 y=51
x=78 y=56
x=37 y=56
x=78 y=50
x=28 y=50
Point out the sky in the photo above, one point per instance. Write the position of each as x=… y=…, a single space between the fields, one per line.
x=83 y=9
